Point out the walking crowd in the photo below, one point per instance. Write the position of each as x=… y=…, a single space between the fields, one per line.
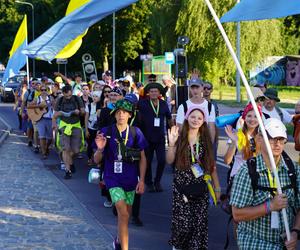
x=121 y=124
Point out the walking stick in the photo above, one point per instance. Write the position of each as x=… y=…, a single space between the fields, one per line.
x=246 y=84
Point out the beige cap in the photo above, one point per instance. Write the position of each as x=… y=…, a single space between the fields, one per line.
x=256 y=92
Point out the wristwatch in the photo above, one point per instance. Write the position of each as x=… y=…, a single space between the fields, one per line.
x=297 y=231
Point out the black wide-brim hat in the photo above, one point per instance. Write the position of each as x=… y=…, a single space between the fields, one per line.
x=154 y=85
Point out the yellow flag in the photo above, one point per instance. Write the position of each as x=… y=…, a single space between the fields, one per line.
x=71 y=48
x=20 y=37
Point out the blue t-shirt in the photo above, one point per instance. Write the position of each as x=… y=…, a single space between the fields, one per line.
x=147 y=116
x=128 y=179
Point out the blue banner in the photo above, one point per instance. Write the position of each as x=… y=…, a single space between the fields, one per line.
x=49 y=44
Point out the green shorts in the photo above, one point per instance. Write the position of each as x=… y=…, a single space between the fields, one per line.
x=118 y=194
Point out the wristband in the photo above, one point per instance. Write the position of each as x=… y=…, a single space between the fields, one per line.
x=268 y=206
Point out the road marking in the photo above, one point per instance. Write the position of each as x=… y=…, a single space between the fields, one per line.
x=5 y=123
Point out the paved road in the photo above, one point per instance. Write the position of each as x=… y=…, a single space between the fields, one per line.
x=155 y=211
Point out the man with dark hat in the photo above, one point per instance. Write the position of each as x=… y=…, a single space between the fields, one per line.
x=121 y=174
x=154 y=114
x=271 y=110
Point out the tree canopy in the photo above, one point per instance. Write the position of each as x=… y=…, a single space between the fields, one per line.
x=153 y=26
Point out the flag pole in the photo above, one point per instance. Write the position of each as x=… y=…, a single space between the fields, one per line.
x=246 y=84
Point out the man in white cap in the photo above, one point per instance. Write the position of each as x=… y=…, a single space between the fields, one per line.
x=254 y=198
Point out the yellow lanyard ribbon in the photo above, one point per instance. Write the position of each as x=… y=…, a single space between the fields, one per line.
x=133 y=118
x=208 y=181
x=271 y=179
x=156 y=110
x=126 y=137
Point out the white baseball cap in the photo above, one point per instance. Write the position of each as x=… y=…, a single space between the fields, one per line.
x=275 y=128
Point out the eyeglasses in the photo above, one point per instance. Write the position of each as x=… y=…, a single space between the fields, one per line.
x=281 y=140
x=260 y=99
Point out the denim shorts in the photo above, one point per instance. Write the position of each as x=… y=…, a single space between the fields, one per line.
x=44 y=127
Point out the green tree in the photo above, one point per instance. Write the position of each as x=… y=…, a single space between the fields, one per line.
x=207 y=50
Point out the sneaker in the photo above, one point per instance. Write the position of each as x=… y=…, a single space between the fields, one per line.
x=107 y=204
x=36 y=150
x=116 y=244
x=68 y=175
x=136 y=221
x=62 y=165
x=158 y=188
x=72 y=168
x=30 y=144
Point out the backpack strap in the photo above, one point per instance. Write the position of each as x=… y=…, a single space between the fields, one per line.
x=209 y=107
x=266 y=115
x=90 y=107
x=133 y=133
x=251 y=164
x=279 y=111
x=185 y=108
x=291 y=172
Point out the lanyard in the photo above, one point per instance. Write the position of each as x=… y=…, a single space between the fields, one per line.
x=126 y=137
x=271 y=179
x=156 y=110
x=133 y=118
x=192 y=152
x=125 y=142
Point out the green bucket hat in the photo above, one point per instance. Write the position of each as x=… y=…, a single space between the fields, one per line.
x=124 y=105
x=272 y=94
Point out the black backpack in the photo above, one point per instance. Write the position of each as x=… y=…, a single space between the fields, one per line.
x=185 y=108
x=278 y=110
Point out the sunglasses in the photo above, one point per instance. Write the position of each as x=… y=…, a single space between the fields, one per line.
x=107 y=91
x=43 y=90
x=207 y=88
x=126 y=84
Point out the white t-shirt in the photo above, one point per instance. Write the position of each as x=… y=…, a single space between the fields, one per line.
x=287 y=118
x=92 y=116
x=49 y=114
x=204 y=106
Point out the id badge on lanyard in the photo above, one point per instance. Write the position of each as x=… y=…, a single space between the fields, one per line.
x=156 y=122
x=196 y=168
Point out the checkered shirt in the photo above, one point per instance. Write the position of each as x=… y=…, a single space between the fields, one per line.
x=257 y=234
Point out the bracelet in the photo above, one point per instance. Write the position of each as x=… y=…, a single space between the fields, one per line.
x=267 y=206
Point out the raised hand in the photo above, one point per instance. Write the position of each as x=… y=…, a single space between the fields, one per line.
x=173 y=134
x=232 y=135
x=100 y=141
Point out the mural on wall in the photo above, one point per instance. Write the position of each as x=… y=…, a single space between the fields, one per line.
x=270 y=71
x=293 y=71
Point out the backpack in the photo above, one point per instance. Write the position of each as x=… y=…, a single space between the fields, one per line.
x=185 y=108
x=60 y=101
x=254 y=176
x=279 y=112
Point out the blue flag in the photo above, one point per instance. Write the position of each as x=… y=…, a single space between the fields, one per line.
x=49 y=44
x=17 y=60
x=248 y=10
